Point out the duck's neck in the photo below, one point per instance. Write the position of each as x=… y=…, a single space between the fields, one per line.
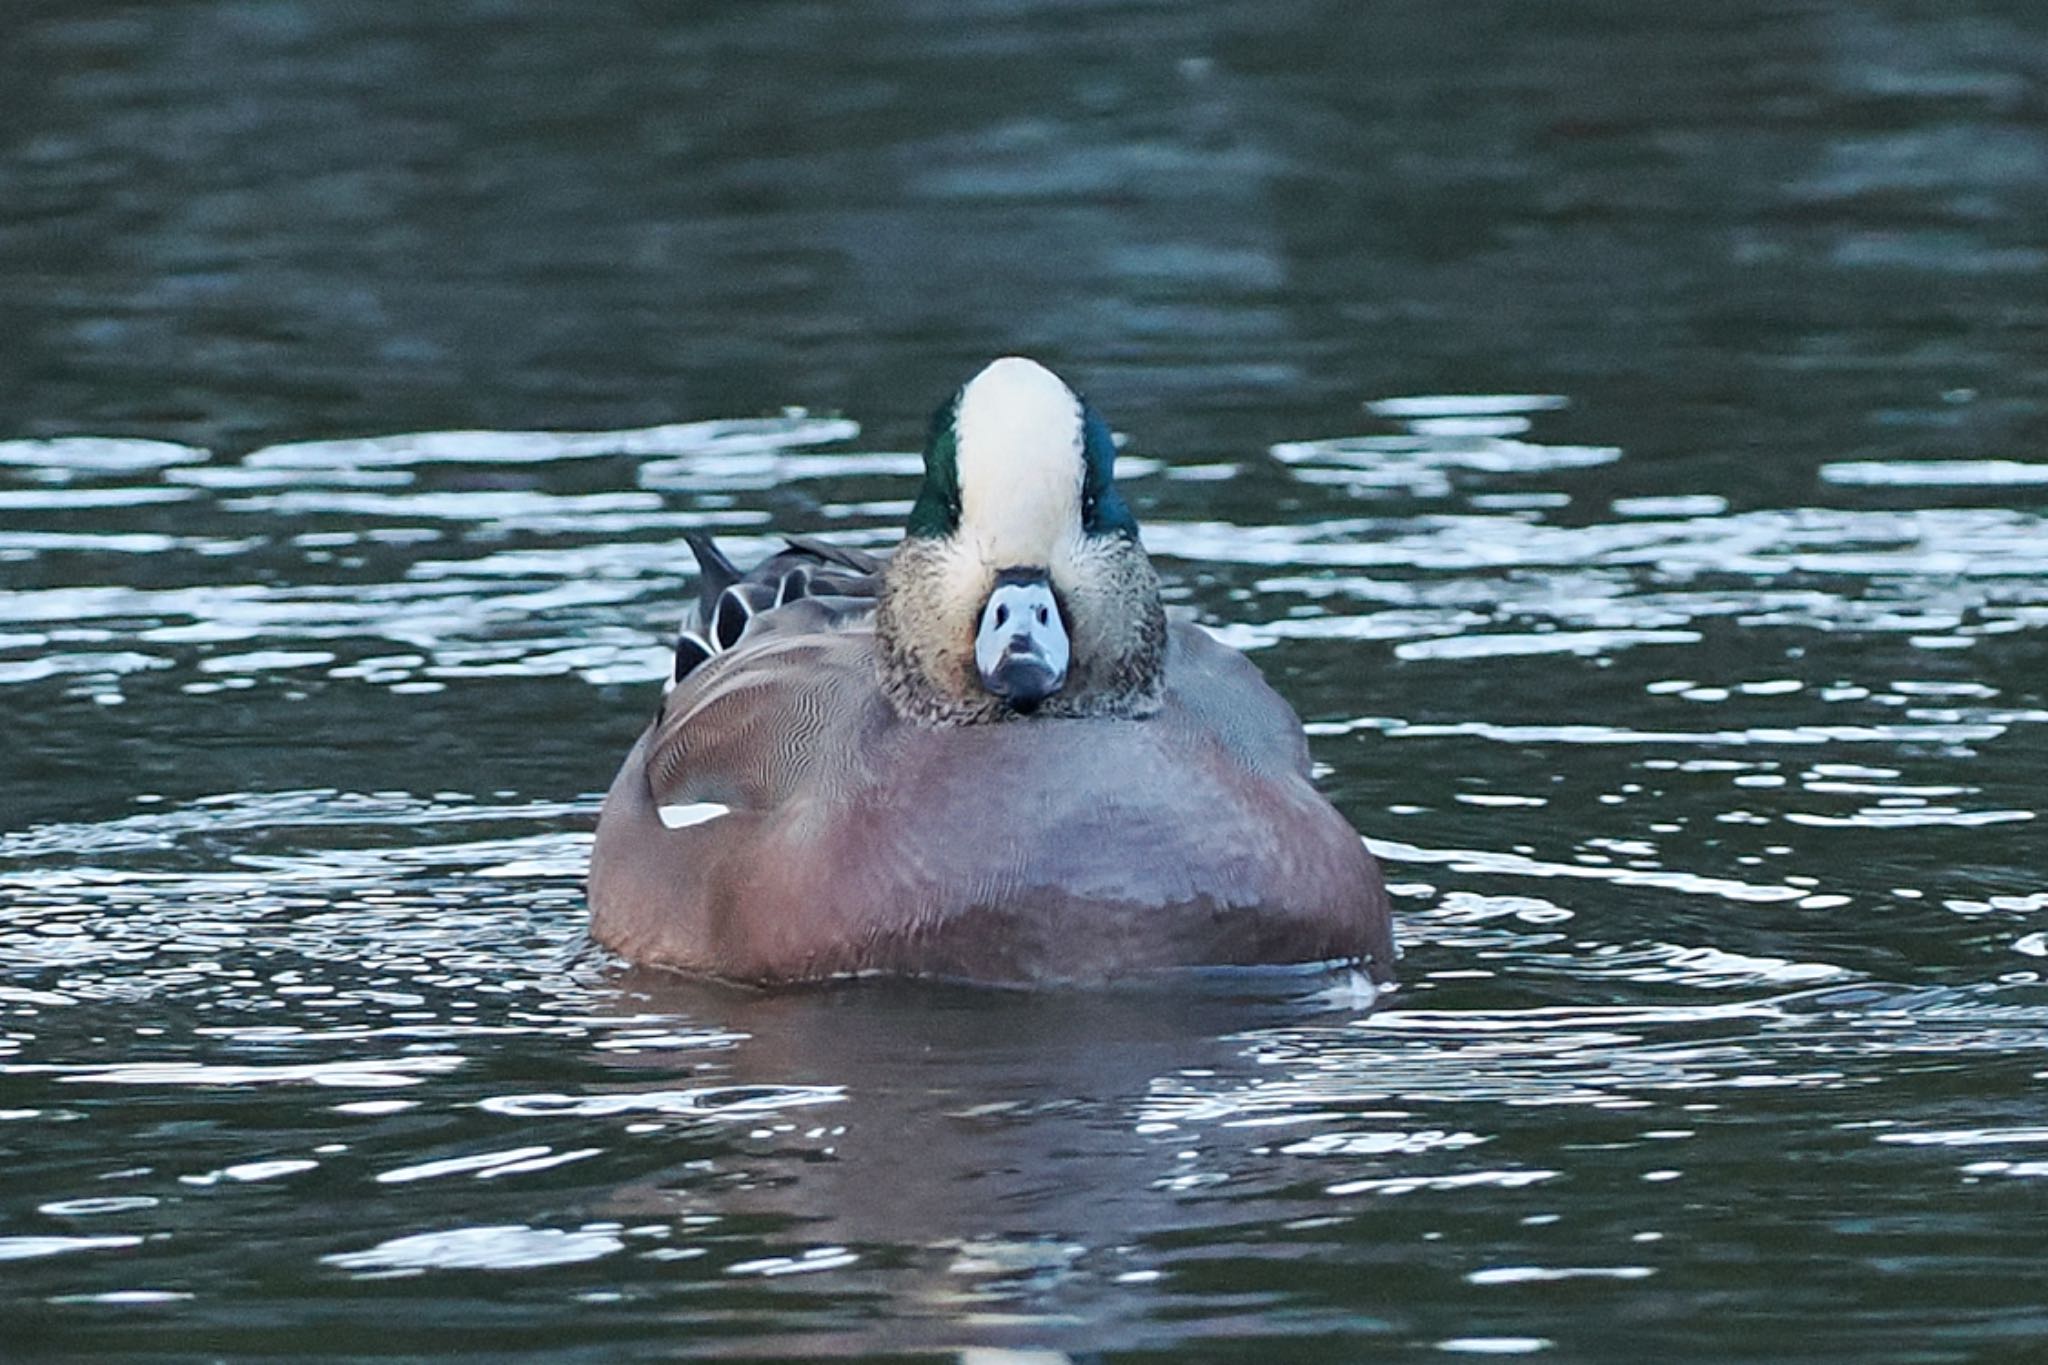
x=931 y=596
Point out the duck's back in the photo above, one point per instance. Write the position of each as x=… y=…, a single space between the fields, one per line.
x=778 y=821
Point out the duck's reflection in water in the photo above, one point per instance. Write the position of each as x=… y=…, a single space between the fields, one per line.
x=992 y=1162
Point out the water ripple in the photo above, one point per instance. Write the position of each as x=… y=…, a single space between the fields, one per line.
x=510 y=1247
x=795 y=428
x=1935 y=473
x=70 y=455
x=723 y=1102
x=1706 y=818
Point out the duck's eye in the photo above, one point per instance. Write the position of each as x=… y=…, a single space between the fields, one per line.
x=1002 y=615
x=1043 y=619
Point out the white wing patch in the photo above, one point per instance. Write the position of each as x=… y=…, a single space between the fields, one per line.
x=696 y=813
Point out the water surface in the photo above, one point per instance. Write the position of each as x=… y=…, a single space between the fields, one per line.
x=1616 y=433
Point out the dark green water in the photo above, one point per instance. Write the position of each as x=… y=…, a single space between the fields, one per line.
x=1615 y=427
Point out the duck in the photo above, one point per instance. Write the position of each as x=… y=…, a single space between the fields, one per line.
x=988 y=755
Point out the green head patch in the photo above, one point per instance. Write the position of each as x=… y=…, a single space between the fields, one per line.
x=937 y=511
x=1103 y=510
x=938 y=508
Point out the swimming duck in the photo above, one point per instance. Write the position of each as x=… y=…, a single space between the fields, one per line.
x=990 y=756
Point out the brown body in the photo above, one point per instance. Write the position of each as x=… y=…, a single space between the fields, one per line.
x=989 y=757
x=1036 y=849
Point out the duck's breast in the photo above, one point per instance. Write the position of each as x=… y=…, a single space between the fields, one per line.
x=1032 y=849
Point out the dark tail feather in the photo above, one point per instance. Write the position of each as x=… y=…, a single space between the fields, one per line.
x=845 y=556
x=715 y=573
x=691 y=650
x=795 y=584
x=736 y=606
x=729 y=619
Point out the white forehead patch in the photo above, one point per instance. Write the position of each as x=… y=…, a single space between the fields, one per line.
x=1018 y=448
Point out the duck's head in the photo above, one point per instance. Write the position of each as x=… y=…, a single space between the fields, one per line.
x=1021 y=588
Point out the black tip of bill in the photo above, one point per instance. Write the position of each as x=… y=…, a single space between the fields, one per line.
x=1021 y=647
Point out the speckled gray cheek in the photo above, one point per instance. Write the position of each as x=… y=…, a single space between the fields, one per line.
x=1116 y=619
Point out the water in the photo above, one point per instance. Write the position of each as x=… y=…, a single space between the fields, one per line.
x=1615 y=431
